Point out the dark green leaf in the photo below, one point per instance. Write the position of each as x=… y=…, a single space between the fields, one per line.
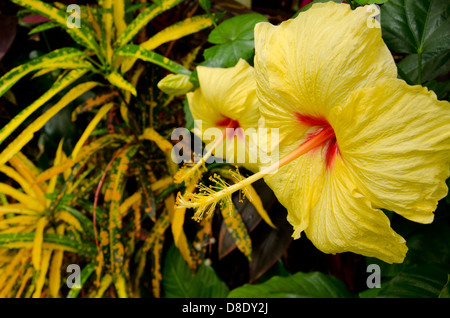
x=309 y=5
x=371 y=1
x=434 y=64
x=234 y=39
x=416 y=26
x=180 y=282
x=417 y=281
x=299 y=285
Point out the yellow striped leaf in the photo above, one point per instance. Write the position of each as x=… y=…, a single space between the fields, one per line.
x=143 y=19
x=24 y=114
x=237 y=229
x=177 y=220
x=24 y=184
x=113 y=197
x=28 y=201
x=152 y=57
x=254 y=198
x=90 y=128
x=43 y=268
x=81 y=35
x=119 y=16
x=173 y=32
x=54 y=279
x=120 y=285
x=28 y=133
x=107 y=27
x=117 y=80
x=57 y=57
x=37 y=243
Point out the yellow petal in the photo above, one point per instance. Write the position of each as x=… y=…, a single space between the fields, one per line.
x=395 y=139
x=228 y=90
x=297 y=186
x=226 y=93
x=313 y=62
x=344 y=221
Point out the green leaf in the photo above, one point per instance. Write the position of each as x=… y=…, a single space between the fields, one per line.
x=416 y=26
x=84 y=275
x=234 y=38
x=362 y=2
x=309 y=5
x=299 y=285
x=153 y=57
x=417 y=281
x=180 y=282
x=43 y=27
x=434 y=64
x=117 y=80
x=82 y=247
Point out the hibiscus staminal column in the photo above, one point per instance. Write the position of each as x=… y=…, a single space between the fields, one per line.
x=206 y=200
x=230 y=126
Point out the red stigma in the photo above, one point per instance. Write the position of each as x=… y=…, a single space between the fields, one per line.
x=320 y=124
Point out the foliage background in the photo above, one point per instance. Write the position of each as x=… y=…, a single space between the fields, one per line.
x=122 y=188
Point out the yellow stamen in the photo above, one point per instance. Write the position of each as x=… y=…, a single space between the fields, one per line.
x=201 y=201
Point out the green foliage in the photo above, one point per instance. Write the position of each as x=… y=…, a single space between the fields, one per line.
x=419 y=28
x=299 y=285
x=233 y=40
x=180 y=282
x=105 y=202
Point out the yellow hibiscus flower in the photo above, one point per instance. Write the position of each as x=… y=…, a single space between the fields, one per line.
x=389 y=144
x=226 y=103
x=353 y=139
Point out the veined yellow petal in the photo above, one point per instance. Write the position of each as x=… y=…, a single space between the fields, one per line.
x=228 y=90
x=313 y=62
x=226 y=94
x=344 y=220
x=297 y=186
x=395 y=139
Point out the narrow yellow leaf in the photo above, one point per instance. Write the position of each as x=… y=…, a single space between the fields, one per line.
x=128 y=202
x=119 y=16
x=177 y=220
x=23 y=198
x=90 y=128
x=37 y=243
x=54 y=280
x=254 y=198
x=104 y=284
x=54 y=179
x=24 y=282
x=24 y=184
x=107 y=27
x=46 y=254
x=29 y=172
x=121 y=286
x=28 y=133
x=69 y=219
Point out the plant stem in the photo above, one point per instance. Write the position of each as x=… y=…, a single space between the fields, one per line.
x=419 y=69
